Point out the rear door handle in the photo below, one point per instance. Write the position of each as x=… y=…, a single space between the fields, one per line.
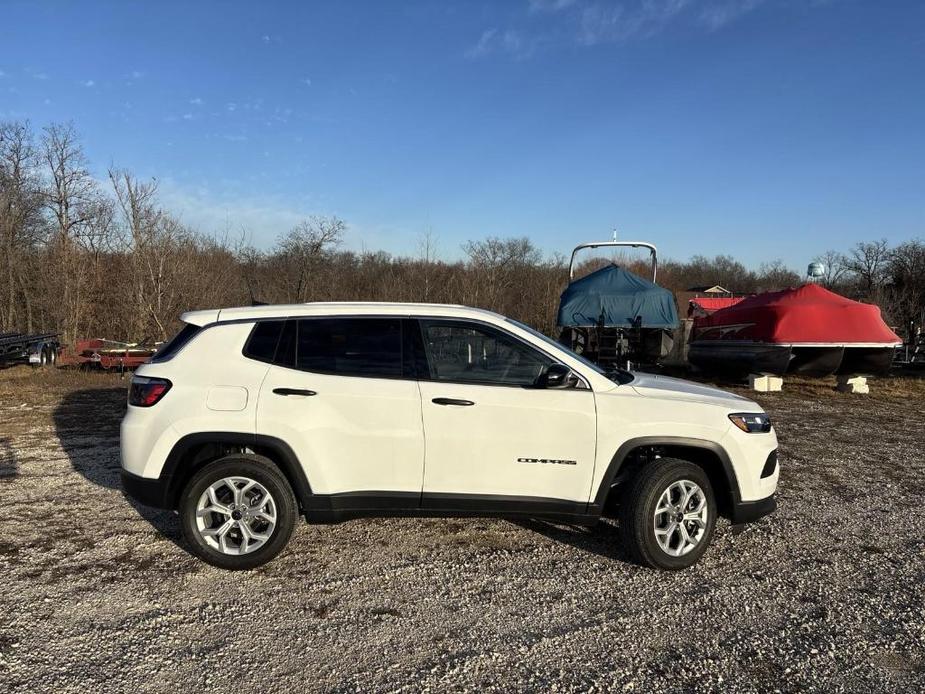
x=452 y=401
x=293 y=391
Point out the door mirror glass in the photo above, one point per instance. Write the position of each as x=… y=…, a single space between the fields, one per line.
x=559 y=376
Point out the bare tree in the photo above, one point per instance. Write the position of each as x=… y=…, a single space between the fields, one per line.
x=700 y=270
x=495 y=263
x=20 y=222
x=427 y=256
x=868 y=262
x=150 y=236
x=302 y=253
x=774 y=275
x=905 y=298
x=835 y=264
x=80 y=217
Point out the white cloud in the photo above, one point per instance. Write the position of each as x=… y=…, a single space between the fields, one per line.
x=262 y=217
x=550 y=5
x=509 y=42
x=265 y=38
x=231 y=106
x=307 y=82
x=600 y=24
x=89 y=83
x=483 y=46
x=718 y=15
x=196 y=102
x=40 y=75
x=137 y=74
x=187 y=116
x=2 y=73
x=594 y=22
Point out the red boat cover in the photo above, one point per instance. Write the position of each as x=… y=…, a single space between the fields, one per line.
x=705 y=305
x=807 y=314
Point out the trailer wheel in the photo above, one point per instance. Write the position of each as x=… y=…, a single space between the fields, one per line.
x=43 y=357
x=53 y=355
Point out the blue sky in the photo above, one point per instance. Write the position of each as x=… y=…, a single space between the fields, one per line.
x=761 y=128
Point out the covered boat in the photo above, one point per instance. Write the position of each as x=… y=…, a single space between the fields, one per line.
x=808 y=330
x=612 y=314
x=619 y=298
x=705 y=305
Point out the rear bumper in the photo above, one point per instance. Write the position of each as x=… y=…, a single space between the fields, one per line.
x=145 y=490
x=749 y=511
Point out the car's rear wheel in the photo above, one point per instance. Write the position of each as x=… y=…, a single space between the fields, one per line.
x=238 y=512
x=667 y=514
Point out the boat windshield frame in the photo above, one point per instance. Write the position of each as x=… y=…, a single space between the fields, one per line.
x=617 y=375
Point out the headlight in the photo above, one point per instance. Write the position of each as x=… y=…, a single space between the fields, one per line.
x=751 y=423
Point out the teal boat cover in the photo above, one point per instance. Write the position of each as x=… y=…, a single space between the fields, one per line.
x=621 y=296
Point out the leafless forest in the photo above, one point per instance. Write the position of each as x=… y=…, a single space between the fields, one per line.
x=99 y=256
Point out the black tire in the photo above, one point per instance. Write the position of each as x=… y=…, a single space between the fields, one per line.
x=256 y=468
x=637 y=513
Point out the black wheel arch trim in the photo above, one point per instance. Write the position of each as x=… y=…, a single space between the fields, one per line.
x=280 y=451
x=162 y=491
x=619 y=458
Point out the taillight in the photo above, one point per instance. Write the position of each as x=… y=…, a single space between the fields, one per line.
x=147 y=391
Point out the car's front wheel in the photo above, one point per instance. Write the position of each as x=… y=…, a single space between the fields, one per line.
x=238 y=512
x=667 y=514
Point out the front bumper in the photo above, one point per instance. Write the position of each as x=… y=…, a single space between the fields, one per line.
x=749 y=511
x=146 y=490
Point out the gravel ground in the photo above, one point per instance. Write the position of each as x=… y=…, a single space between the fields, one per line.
x=825 y=595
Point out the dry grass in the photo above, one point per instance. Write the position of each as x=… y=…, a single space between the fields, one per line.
x=31 y=380
x=909 y=385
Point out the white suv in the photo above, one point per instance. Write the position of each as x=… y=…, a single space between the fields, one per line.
x=251 y=417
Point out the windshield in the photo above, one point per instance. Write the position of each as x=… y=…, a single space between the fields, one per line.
x=619 y=375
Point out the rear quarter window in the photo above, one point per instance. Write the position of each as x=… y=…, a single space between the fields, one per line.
x=187 y=333
x=261 y=345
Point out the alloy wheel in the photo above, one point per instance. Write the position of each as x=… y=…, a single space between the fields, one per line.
x=680 y=518
x=236 y=515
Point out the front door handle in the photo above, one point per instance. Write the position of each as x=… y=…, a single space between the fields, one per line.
x=293 y=391
x=452 y=401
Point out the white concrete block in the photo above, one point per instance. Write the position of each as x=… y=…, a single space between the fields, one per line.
x=765 y=383
x=853 y=384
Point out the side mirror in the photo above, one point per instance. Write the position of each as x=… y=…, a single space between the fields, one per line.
x=559 y=376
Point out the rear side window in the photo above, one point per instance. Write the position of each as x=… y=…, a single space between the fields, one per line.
x=370 y=347
x=187 y=333
x=261 y=345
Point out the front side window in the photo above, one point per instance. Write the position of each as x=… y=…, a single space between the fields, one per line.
x=370 y=347
x=470 y=353
x=616 y=374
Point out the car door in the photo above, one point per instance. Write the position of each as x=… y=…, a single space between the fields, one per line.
x=491 y=434
x=337 y=395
